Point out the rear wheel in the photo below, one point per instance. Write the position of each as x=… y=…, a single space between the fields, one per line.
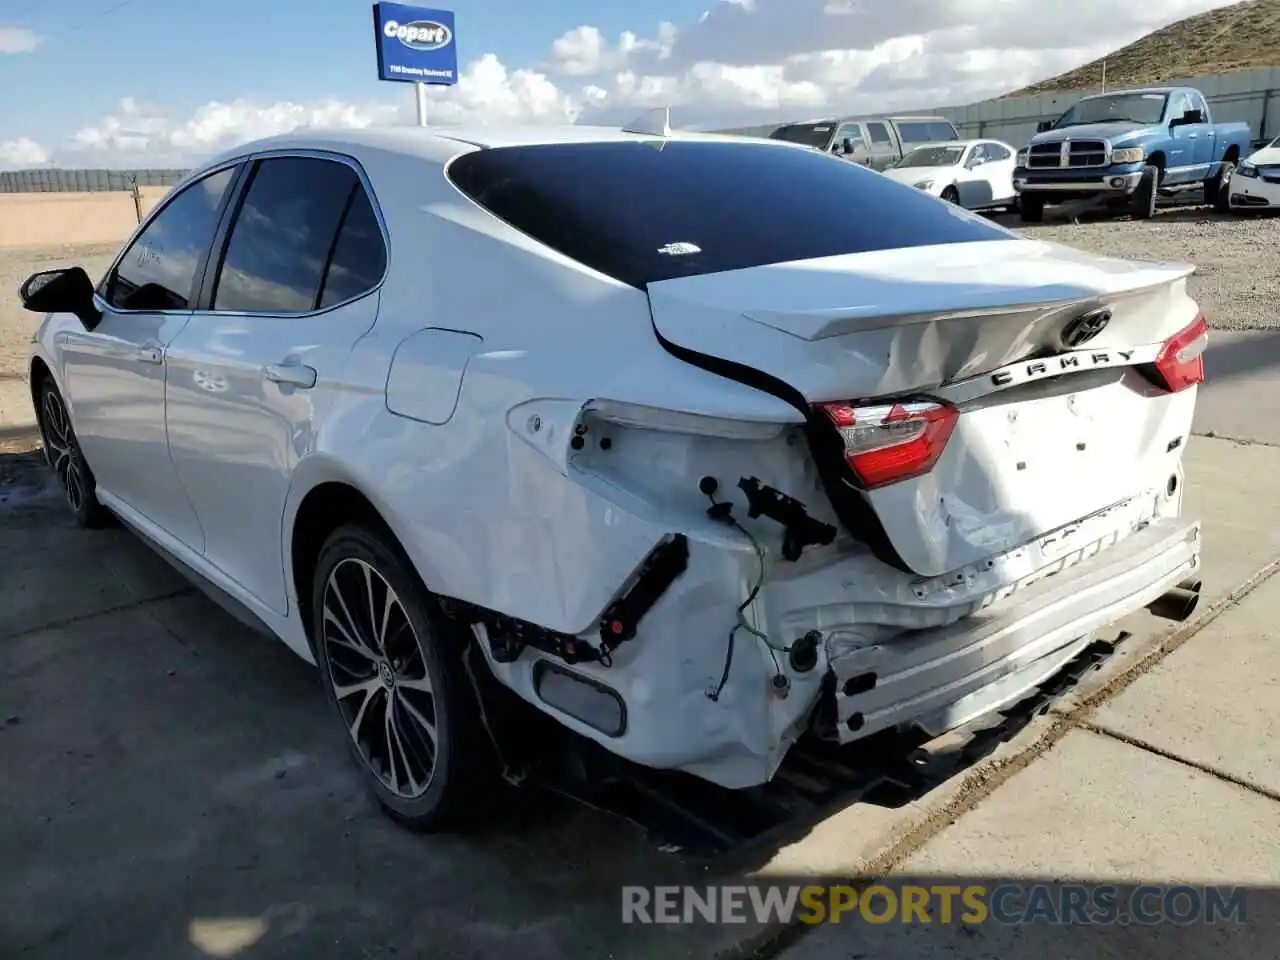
x=1142 y=204
x=62 y=453
x=1031 y=208
x=1217 y=189
x=394 y=673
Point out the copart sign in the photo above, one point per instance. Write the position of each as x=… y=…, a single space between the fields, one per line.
x=415 y=44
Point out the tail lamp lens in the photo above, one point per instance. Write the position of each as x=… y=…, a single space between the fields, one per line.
x=892 y=442
x=1180 y=363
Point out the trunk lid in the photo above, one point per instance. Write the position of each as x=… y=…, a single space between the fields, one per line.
x=980 y=325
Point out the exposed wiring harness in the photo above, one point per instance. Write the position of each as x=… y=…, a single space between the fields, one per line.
x=723 y=512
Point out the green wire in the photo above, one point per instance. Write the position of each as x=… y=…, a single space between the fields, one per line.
x=742 y=621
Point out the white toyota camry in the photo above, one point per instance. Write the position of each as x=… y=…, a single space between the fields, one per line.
x=1255 y=184
x=623 y=427
x=977 y=174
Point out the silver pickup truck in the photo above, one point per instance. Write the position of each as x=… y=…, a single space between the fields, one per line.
x=876 y=142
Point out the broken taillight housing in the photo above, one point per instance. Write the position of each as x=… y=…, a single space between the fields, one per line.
x=1180 y=363
x=887 y=443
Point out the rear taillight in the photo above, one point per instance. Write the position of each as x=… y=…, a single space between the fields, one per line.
x=1180 y=363
x=890 y=442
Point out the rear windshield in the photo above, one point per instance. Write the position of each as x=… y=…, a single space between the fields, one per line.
x=642 y=212
x=810 y=134
x=921 y=131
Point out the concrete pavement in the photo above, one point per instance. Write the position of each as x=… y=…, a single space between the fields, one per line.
x=1241 y=396
x=1164 y=770
x=1176 y=781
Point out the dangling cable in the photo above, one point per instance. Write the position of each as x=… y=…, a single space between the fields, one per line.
x=723 y=512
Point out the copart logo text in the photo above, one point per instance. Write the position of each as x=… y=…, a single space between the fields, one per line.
x=419 y=35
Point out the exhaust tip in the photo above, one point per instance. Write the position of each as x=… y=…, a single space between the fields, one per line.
x=1177 y=605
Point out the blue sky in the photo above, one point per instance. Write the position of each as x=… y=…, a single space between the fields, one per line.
x=123 y=82
x=186 y=52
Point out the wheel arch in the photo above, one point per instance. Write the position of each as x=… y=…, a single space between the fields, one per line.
x=326 y=506
x=38 y=375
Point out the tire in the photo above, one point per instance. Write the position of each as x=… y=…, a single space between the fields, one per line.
x=422 y=786
x=1031 y=208
x=1142 y=204
x=1217 y=189
x=63 y=454
x=951 y=195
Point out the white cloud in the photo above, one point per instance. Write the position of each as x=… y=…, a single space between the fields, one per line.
x=18 y=40
x=21 y=153
x=140 y=134
x=584 y=51
x=487 y=92
x=743 y=62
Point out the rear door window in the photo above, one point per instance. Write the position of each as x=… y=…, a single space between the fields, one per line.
x=359 y=254
x=283 y=236
x=642 y=212
x=879 y=133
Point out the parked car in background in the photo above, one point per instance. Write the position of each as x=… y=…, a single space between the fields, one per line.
x=506 y=453
x=977 y=174
x=1127 y=147
x=1255 y=185
x=875 y=142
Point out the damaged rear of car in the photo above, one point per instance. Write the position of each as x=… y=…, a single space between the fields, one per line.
x=980 y=468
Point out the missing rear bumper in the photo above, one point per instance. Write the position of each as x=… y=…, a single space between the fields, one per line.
x=945 y=676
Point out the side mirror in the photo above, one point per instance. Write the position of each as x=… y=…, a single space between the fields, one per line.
x=974 y=162
x=1044 y=125
x=61 y=291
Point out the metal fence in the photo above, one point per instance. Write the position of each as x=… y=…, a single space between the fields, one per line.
x=1251 y=96
x=53 y=180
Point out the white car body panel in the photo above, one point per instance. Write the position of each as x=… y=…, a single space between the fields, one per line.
x=986 y=186
x=1262 y=191
x=116 y=387
x=476 y=474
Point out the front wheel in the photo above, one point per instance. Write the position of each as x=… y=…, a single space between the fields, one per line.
x=1031 y=208
x=394 y=674
x=62 y=453
x=951 y=195
x=1142 y=204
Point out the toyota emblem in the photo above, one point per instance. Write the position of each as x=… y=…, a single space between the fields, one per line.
x=1084 y=328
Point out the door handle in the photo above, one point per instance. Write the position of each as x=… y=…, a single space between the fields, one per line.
x=150 y=353
x=293 y=374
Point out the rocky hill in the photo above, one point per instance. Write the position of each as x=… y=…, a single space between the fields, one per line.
x=1243 y=36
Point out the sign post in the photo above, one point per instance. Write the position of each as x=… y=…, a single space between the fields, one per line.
x=416 y=45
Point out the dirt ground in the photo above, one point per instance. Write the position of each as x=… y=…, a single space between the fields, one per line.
x=17 y=325
x=1236 y=281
